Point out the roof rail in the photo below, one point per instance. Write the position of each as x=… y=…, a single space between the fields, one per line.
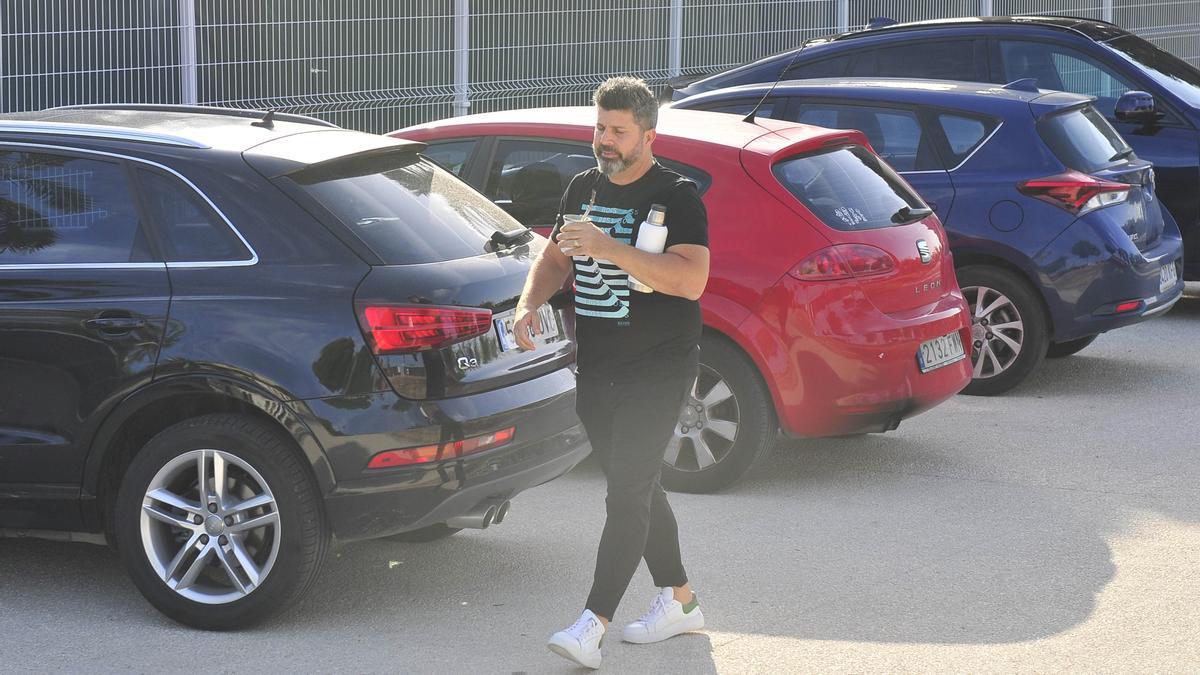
x=1024 y=84
x=201 y=110
x=928 y=24
x=52 y=128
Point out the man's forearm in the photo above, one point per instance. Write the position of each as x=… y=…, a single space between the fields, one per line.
x=546 y=278
x=668 y=272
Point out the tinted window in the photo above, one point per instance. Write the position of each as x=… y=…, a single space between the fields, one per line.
x=938 y=60
x=1167 y=70
x=740 y=107
x=62 y=209
x=963 y=135
x=1082 y=139
x=835 y=67
x=192 y=232
x=847 y=188
x=895 y=134
x=1065 y=69
x=451 y=155
x=407 y=210
x=528 y=177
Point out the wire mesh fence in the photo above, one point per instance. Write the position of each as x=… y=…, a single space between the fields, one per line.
x=378 y=65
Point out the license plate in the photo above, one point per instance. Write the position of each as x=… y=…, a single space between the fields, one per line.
x=939 y=352
x=504 y=328
x=1167 y=277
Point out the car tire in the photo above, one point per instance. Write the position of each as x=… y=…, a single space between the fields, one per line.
x=254 y=548
x=736 y=423
x=1058 y=350
x=424 y=535
x=1009 y=334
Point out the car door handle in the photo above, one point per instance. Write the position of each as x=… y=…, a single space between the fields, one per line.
x=115 y=324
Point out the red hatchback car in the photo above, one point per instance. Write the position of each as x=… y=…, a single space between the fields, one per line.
x=832 y=306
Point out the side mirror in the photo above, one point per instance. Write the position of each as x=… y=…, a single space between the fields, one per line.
x=1136 y=107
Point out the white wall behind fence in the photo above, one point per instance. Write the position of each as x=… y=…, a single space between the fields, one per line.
x=378 y=65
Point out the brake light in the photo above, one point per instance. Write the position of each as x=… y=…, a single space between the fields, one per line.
x=395 y=329
x=844 y=261
x=432 y=453
x=1075 y=191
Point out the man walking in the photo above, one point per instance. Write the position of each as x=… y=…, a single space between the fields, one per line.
x=637 y=356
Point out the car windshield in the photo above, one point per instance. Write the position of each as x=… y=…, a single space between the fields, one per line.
x=849 y=188
x=1082 y=139
x=406 y=209
x=1177 y=75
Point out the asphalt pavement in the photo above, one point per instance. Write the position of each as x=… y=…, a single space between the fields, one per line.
x=1056 y=528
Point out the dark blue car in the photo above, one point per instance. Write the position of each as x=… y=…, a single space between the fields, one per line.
x=1053 y=221
x=1062 y=53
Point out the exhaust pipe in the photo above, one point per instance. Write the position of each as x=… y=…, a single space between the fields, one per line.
x=477 y=518
x=501 y=512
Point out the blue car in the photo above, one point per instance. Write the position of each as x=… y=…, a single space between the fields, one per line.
x=1054 y=225
x=1083 y=56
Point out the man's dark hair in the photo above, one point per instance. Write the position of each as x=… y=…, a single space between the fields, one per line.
x=632 y=94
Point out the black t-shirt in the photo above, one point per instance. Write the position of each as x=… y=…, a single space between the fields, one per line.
x=620 y=331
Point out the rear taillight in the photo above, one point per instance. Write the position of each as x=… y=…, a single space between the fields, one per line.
x=394 y=329
x=1074 y=191
x=844 y=261
x=442 y=452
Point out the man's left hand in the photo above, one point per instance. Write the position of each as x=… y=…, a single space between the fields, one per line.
x=585 y=239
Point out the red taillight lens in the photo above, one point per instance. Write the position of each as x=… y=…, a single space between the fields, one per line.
x=844 y=261
x=1075 y=191
x=432 y=453
x=412 y=329
x=1131 y=306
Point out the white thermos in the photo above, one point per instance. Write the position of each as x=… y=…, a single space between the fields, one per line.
x=652 y=238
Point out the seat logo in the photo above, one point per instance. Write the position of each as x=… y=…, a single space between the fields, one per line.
x=923 y=249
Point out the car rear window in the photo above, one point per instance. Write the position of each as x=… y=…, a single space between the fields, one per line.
x=407 y=209
x=848 y=188
x=1082 y=139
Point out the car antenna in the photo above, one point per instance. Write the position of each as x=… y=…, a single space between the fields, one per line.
x=754 y=111
x=267 y=122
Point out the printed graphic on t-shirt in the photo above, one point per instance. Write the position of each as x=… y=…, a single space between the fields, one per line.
x=602 y=288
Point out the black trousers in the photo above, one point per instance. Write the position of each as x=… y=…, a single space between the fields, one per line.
x=629 y=423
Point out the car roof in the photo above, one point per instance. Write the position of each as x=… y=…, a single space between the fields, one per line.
x=975 y=96
x=165 y=126
x=695 y=126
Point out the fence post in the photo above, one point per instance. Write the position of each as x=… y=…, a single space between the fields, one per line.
x=985 y=7
x=843 y=16
x=462 y=53
x=1106 y=13
x=675 y=58
x=188 y=88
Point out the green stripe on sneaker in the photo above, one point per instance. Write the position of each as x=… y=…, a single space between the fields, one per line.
x=687 y=609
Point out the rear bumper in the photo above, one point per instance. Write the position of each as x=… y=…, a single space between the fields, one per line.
x=364 y=503
x=837 y=365
x=1092 y=267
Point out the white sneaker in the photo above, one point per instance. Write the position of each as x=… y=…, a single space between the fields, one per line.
x=581 y=642
x=667 y=618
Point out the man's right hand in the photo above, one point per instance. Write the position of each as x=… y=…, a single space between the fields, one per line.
x=527 y=321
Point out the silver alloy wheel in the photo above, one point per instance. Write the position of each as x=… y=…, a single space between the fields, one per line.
x=997 y=331
x=210 y=526
x=708 y=424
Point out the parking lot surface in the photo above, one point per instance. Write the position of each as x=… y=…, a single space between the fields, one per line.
x=1056 y=528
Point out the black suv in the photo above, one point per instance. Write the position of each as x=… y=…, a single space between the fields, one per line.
x=229 y=338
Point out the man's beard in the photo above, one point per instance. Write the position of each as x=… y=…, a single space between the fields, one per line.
x=609 y=167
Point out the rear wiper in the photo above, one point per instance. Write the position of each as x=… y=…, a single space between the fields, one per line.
x=908 y=214
x=500 y=238
x=1121 y=155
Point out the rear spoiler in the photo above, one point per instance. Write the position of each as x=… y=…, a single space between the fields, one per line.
x=319 y=149
x=678 y=82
